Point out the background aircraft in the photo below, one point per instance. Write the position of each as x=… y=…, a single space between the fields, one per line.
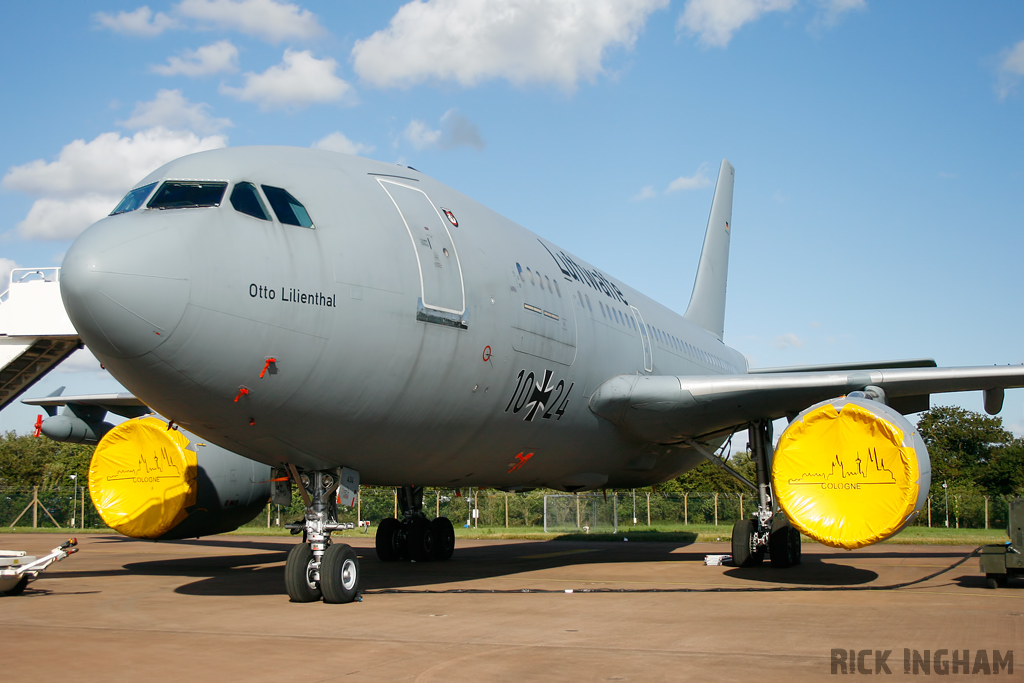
x=339 y=319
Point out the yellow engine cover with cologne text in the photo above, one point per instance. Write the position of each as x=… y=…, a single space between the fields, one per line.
x=142 y=478
x=850 y=472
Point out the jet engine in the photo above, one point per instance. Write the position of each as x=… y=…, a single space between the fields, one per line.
x=149 y=479
x=850 y=472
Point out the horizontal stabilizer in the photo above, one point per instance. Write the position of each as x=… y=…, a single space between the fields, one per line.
x=123 y=404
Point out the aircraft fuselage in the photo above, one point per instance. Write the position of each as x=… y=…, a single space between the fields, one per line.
x=415 y=335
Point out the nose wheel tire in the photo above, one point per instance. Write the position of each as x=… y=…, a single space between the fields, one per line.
x=300 y=575
x=339 y=574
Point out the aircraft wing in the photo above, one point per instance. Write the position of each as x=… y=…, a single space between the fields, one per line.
x=672 y=409
x=123 y=404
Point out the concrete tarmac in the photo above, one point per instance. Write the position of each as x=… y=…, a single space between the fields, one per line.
x=215 y=610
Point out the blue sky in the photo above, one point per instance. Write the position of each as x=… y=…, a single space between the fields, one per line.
x=879 y=205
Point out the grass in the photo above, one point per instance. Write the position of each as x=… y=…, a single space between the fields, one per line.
x=693 y=533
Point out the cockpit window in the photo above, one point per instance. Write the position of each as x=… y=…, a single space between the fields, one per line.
x=133 y=199
x=187 y=194
x=289 y=210
x=246 y=200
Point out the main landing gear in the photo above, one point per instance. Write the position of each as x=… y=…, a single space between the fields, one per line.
x=414 y=537
x=768 y=530
x=317 y=568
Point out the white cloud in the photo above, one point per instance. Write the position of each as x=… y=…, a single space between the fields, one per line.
x=696 y=181
x=300 y=80
x=88 y=178
x=266 y=19
x=644 y=194
x=1011 y=70
x=421 y=135
x=54 y=218
x=141 y=22
x=6 y=266
x=716 y=20
x=788 y=340
x=456 y=131
x=204 y=61
x=170 y=110
x=337 y=142
x=830 y=12
x=524 y=41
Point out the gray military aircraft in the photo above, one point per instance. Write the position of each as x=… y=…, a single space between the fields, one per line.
x=341 y=320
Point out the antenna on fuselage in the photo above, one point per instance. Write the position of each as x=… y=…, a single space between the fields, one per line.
x=707 y=303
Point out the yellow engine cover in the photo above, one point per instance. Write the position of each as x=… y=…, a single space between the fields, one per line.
x=142 y=478
x=850 y=472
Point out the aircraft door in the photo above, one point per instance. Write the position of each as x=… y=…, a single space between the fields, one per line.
x=645 y=340
x=441 y=284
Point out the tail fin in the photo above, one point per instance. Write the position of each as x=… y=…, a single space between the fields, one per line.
x=707 y=303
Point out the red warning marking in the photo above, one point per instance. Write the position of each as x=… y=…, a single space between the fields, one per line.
x=522 y=461
x=487 y=353
x=266 y=366
x=39 y=426
x=242 y=391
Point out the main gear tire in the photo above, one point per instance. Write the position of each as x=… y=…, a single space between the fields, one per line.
x=784 y=546
x=743 y=553
x=388 y=540
x=419 y=539
x=444 y=538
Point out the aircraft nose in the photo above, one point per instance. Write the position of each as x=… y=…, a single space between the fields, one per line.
x=125 y=287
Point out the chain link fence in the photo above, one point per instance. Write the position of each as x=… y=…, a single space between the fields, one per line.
x=67 y=507
x=473 y=508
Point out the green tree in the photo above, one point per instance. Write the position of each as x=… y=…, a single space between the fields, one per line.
x=707 y=477
x=27 y=461
x=1003 y=474
x=960 y=442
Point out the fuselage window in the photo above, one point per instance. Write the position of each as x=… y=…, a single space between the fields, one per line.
x=549 y=283
x=530 y=273
x=133 y=199
x=520 y=269
x=289 y=210
x=558 y=290
x=603 y=314
x=589 y=307
x=187 y=194
x=540 y=280
x=618 y=316
x=246 y=200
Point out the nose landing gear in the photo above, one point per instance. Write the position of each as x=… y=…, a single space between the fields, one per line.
x=317 y=568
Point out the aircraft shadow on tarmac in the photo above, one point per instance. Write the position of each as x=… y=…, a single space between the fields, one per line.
x=262 y=573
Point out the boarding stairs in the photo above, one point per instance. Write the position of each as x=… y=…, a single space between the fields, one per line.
x=35 y=332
